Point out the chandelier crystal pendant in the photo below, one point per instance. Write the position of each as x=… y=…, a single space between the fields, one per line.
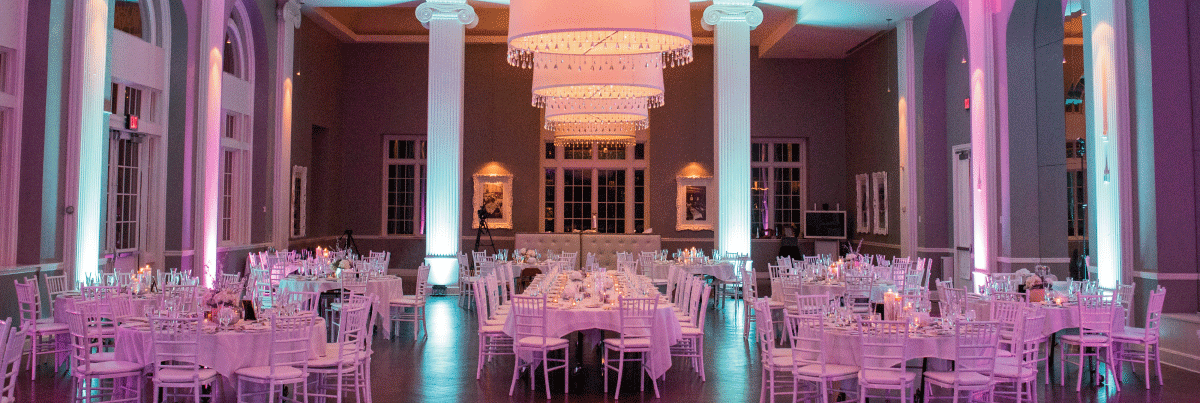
x=608 y=78
x=576 y=30
x=597 y=116
x=615 y=137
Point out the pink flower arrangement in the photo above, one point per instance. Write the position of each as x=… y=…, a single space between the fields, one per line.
x=216 y=298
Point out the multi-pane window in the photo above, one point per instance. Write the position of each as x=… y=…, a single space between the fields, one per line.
x=235 y=178
x=404 y=185
x=124 y=191
x=133 y=101
x=4 y=61
x=232 y=58
x=1077 y=190
x=299 y=193
x=779 y=184
x=127 y=17
x=601 y=182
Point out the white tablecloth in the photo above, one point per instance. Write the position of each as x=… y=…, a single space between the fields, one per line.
x=224 y=351
x=834 y=289
x=845 y=347
x=560 y=322
x=723 y=271
x=386 y=288
x=1057 y=318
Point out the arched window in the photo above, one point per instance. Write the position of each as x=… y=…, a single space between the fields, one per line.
x=237 y=138
x=140 y=19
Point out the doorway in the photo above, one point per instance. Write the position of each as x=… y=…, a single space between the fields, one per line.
x=960 y=161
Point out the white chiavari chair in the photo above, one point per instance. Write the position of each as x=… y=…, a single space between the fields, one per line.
x=883 y=346
x=974 y=363
x=493 y=341
x=411 y=308
x=339 y=370
x=175 y=348
x=43 y=334
x=532 y=345
x=56 y=286
x=637 y=331
x=776 y=364
x=858 y=293
x=809 y=359
x=12 y=345
x=466 y=281
x=1020 y=369
x=1146 y=337
x=287 y=364
x=88 y=372
x=691 y=346
x=1095 y=332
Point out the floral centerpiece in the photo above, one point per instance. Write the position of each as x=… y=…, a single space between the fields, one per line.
x=1035 y=287
x=337 y=265
x=225 y=305
x=525 y=254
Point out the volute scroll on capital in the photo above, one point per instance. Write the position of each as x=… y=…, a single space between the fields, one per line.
x=718 y=12
x=464 y=13
x=289 y=10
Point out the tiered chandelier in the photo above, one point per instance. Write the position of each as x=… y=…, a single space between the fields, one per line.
x=597 y=64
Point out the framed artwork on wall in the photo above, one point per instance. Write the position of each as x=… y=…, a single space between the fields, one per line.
x=862 y=210
x=493 y=194
x=694 y=201
x=879 y=202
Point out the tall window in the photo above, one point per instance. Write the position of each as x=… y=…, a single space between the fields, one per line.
x=1076 y=192
x=299 y=193
x=127 y=17
x=779 y=185
x=235 y=174
x=124 y=191
x=404 y=185
x=603 y=182
x=4 y=79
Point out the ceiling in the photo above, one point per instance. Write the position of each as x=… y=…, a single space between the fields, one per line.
x=825 y=29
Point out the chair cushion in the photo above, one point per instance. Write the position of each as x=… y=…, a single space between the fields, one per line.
x=1134 y=334
x=181 y=375
x=265 y=373
x=1089 y=339
x=499 y=321
x=1011 y=371
x=407 y=300
x=109 y=367
x=775 y=304
x=636 y=342
x=50 y=328
x=831 y=370
x=330 y=360
x=782 y=362
x=106 y=356
x=691 y=331
x=964 y=377
x=44 y=321
x=535 y=341
x=878 y=377
x=492 y=329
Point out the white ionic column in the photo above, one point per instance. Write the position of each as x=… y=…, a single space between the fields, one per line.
x=93 y=85
x=285 y=39
x=984 y=180
x=907 y=108
x=731 y=22
x=446 y=20
x=207 y=138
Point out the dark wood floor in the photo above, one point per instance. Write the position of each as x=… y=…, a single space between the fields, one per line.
x=441 y=368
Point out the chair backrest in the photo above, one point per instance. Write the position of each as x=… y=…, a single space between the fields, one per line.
x=628 y=267
x=354 y=281
x=56 y=285
x=812 y=304
x=637 y=317
x=84 y=324
x=492 y=289
x=529 y=320
x=120 y=308
x=1010 y=296
x=1154 y=310
x=883 y=345
x=952 y=300
x=1095 y=318
x=481 y=307
x=975 y=347
x=306 y=301
x=351 y=326
x=12 y=344
x=699 y=302
x=28 y=304
x=764 y=328
x=808 y=340
x=790 y=286
x=230 y=278
x=175 y=344
x=291 y=340
x=899 y=273
x=1027 y=340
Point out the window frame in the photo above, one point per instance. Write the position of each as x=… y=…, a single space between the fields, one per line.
x=242 y=146
x=770 y=165
x=420 y=163
x=560 y=163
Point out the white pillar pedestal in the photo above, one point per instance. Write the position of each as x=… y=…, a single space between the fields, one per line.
x=285 y=38
x=93 y=136
x=207 y=138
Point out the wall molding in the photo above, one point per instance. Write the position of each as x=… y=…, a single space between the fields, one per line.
x=179 y=253
x=947 y=251
x=1032 y=260
x=881 y=245
x=1150 y=275
x=29 y=269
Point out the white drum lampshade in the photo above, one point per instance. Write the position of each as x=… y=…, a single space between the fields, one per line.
x=581 y=28
x=606 y=79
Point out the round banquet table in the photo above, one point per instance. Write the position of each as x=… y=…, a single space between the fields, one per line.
x=561 y=320
x=834 y=289
x=723 y=271
x=386 y=288
x=844 y=347
x=225 y=351
x=62 y=304
x=1057 y=317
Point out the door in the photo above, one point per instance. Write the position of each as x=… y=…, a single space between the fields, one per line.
x=124 y=214
x=963 y=235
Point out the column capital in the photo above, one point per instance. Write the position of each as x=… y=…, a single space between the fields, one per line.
x=289 y=12
x=430 y=10
x=731 y=10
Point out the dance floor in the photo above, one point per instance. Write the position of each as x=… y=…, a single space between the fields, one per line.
x=441 y=368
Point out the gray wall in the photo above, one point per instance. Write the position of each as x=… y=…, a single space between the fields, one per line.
x=872 y=143
x=1035 y=218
